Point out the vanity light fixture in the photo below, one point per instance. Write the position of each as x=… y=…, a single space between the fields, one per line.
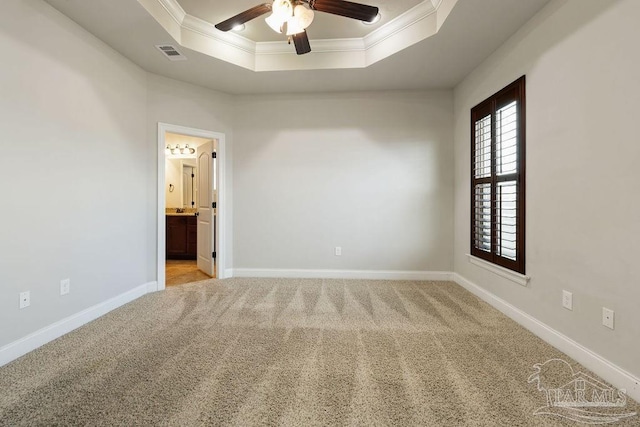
x=178 y=150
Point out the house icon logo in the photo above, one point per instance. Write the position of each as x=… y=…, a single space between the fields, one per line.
x=577 y=396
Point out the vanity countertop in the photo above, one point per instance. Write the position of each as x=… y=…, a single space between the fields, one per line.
x=180 y=211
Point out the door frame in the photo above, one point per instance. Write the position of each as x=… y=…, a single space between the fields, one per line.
x=221 y=210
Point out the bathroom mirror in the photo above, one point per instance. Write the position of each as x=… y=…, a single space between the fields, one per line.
x=181 y=188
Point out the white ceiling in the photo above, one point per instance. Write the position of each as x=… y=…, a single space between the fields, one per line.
x=473 y=30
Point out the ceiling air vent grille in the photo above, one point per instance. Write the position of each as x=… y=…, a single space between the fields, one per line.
x=171 y=52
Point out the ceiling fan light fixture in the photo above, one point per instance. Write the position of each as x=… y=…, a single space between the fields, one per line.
x=274 y=22
x=293 y=27
x=238 y=28
x=303 y=16
x=282 y=9
x=281 y=12
x=298 y=15
x=300 y=21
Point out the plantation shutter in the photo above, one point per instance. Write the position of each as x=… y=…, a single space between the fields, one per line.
x=497 y=178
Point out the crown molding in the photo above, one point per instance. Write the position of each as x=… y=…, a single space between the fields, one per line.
x=411 y=17
x=174 y=9
x=207 y=29
x=418 y=23
x=319 y=46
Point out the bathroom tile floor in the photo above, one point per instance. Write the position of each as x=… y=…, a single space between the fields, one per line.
x=179 y=272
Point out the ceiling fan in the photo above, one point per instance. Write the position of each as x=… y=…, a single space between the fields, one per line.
x=297 y=15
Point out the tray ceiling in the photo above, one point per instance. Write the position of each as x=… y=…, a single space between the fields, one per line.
x=337 y=42
x=472 y=31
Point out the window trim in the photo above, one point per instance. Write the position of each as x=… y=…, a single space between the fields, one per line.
x=514 y=276
x=513 y=92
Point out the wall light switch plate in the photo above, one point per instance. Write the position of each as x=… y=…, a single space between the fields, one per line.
x=567 y=300
x=25 y=299
x=65 y=286
x=607 y=317
x=338 y=251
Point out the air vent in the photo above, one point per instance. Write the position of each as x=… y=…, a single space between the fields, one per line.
x=171 y=52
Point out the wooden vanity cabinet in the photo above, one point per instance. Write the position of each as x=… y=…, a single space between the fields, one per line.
x=181 y=237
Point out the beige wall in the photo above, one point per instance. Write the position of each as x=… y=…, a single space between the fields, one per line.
x=582 y=64
x=73 y=167
x=80 y=137
x=369 y=172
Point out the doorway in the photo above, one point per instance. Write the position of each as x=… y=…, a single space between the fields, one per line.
x=183 y=234
x=190 y=204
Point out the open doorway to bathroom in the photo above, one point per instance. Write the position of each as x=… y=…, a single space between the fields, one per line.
x=190 y=237
x=181 y=210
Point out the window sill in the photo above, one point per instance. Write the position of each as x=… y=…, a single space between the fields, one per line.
x=518 y=278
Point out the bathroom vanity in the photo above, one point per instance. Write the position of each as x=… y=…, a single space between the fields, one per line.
x=182 y=236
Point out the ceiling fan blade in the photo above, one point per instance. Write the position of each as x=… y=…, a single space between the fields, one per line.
x=301 y=41
x=243 y=17
x=361 y=12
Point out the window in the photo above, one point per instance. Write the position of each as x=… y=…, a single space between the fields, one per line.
x=498 y=177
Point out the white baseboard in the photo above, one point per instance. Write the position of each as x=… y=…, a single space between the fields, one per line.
x=617 y=376
x=342 y=274
x=49 y=333
x=152 y=287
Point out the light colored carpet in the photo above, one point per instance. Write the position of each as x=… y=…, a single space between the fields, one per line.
x=287 y=352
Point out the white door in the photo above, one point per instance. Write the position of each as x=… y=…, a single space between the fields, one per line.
x=206 y=198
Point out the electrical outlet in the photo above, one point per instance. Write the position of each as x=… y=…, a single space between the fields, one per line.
x=338 y=251
x=607 y=317
x=65 y=286
x=567 y=300
x=25 y=299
